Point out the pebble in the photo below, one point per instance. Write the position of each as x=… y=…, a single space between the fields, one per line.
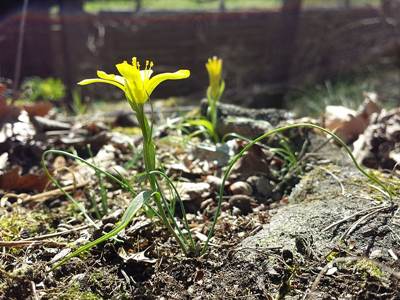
x=206 y=203
x=261 y=185
x=241 y=188
x=118 y=172
x=215 y=182
x=236 y=211
x=193 y=190
x=243 y=202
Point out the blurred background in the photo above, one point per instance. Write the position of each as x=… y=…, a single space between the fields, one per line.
x=296 y=54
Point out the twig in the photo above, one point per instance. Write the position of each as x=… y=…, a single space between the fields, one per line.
x=334 y=177
x=34 y=292
x=351 y=216
x=55 y=234
x=359 y=221
x=41 y=197
x=41 y=239
x=24 y=243
x=342 y=260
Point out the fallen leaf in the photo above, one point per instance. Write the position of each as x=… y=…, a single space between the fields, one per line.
x=39 y=109
x=13 y=181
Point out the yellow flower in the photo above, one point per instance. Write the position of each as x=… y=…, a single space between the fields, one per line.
x=137 y=84
x=214 y=68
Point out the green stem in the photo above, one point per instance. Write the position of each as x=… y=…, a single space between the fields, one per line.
x=150 y=165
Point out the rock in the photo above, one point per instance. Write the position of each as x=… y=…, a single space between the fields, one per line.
x=241 y=187
x=318 y=202
x=247 y=122
x=124 y=119
x=189 y=190
x=221 y=154
x=45 y=124
x=215 y=182
x=206 y=203
x=192 y=194
x=261 y=185
x=236 y=211
x=118 y=171
x=272 y=115
x=243 y=202
x=247 y=127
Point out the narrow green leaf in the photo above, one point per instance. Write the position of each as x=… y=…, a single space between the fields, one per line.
x=130 y=212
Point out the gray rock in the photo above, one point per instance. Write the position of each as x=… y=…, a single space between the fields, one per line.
x=261 y=185
x=241 y=187
x=246 y=127
x=316 y=203
x=215 y=182
x=272 y=115
x=243 y=202
x=247 y=122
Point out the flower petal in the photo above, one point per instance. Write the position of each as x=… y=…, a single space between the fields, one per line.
x=117 y=78
x=98 y=80
x=145 y=74
x=129 y=72
x=133 y=81
x=156 y=80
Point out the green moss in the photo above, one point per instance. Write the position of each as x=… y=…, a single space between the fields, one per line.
x=74 y=292
x=332 y=255
x=128 y=130
x=369 y=268
x=11 y=224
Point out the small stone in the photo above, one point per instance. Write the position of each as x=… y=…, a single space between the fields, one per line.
x=215 y=182
x=55 y=203
x=225 y=206
x=331 y=271
x=243 y=202
x=60 y=255
x=206 y=203
x=192 y=194
x=236 y=211
x=118 y=172
x=261 y=184
x=193 y=190
x=241 y=188
x=377 y=253
x=276 y=196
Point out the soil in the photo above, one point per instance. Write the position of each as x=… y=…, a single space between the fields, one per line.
x=271 y=241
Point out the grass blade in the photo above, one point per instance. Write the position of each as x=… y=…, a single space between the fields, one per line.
x=135 y=205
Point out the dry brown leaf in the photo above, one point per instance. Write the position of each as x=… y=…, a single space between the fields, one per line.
x=39 y=109
x=13 y=181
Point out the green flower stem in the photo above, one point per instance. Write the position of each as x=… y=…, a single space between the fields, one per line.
x=150 y=166
x=212 y=112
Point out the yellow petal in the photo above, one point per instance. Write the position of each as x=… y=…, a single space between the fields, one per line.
x=117 y=78
x=98 y=80
x=146 y=74
x=129 y=72
x=134 y=82
x=156 y=80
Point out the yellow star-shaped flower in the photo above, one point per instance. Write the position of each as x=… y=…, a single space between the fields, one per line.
x=137 y=84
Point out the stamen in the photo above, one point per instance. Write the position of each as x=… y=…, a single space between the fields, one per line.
x=147 y=65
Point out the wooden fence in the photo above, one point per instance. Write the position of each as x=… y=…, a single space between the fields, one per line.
x=264 y=52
